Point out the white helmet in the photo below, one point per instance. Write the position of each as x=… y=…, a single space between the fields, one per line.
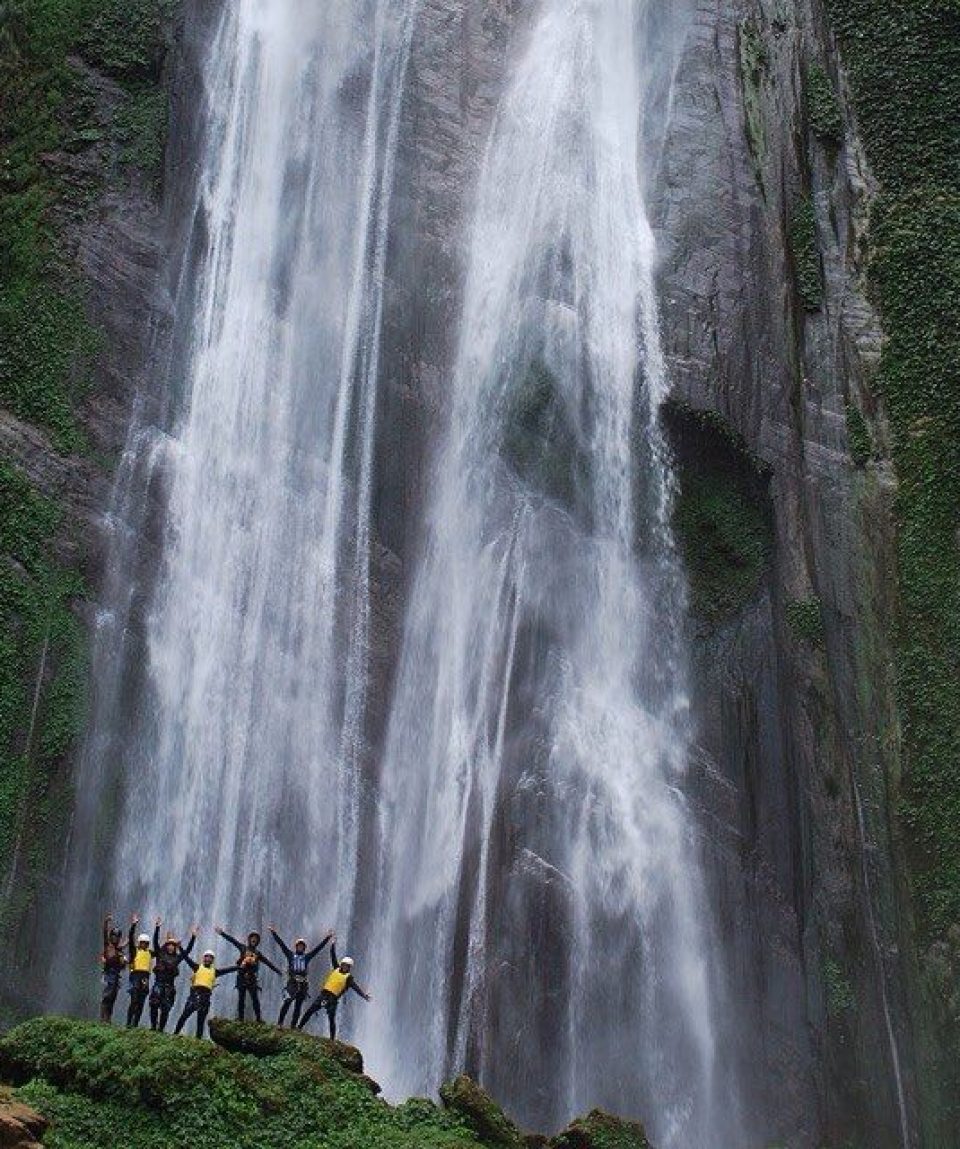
x=143 y=939
x=348 y=962
x=209 y=954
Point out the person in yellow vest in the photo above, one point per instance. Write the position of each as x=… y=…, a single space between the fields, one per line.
x=337 y=982
x=202 y=985
x=141 y=962
x=113 y=959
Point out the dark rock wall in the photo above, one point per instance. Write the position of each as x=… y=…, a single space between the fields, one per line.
x=762 y=203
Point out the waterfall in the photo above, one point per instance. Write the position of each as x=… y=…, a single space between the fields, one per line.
x=235 y=786
x=542 y=917
x=539 y=915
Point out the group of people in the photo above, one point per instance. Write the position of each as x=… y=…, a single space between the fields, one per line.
x=140 y=956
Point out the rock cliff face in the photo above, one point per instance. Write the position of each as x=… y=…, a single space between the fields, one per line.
x=762 y=188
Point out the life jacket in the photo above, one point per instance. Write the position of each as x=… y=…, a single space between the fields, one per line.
x=298 y=965
x=141 y=961
x=205 y=977
x=337 y=983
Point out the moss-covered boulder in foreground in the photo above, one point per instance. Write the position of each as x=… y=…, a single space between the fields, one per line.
x=253 y=1086
x=481 y=1113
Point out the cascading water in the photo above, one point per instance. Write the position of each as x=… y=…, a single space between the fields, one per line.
x=539 y=914
x=239 y=777
x=542 y=918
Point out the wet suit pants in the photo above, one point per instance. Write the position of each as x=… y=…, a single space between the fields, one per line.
x=329 y=1002
x=162 y=997
x=197 y=1003
x=295 y=994
x=138 y=990
x=111 y=987
x=254 y=992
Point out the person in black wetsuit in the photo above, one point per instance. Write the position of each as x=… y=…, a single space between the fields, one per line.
x=141 y=959
x=337 y=982
x=202 y=985
x=248 y=969
x=114 y=962
x=297 y=989
x=166 y=970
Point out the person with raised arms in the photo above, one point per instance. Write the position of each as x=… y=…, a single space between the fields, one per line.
x=202 y=985
x=337 y=982
x=248 y=969
x=297 y=990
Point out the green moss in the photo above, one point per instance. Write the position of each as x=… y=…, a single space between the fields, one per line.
x=823 y=107
x=92 y=1080
x=839 y=991
x=721 y=512
x=753 y=72
x=903 y=62
x=805 y=619
x=539 y=443
x=481 y=1113
x=859 y=439
x=805 y=254
x=42 y=670
x=141 y=127
x=723 y=534
x=599 y=1130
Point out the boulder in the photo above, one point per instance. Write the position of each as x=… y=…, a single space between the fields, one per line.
x=20 y=1126
x=599 y=1130
x=481 y=1113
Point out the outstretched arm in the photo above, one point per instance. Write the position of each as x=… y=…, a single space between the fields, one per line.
x=358 y=989
x=132 y=938
x=185 y=956
x=107 y=922
x=227 y=969
x=232 y=940
x=191 y=943
x=267 y=962
x=156 y=938
x=316 y=949
x=281 y=943
x=333 y=952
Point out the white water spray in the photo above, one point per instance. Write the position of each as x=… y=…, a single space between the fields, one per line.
x=541 y=914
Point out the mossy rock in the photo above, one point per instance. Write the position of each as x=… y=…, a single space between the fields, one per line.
x=599 y=1130
x=91 y=1080
x=722 y=518
x=481 y=1113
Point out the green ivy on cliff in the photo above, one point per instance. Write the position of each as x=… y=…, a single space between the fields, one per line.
x=805 y=252
x=42 y=665
x=903 y=60
x=80 y=103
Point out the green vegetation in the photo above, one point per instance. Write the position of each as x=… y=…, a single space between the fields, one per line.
x=840 y=996
x=903 y=61
x=65 y=132
x=539 y=443
x=805 y=619
x=823 y=107
x=805 y=252
x=753 y=71
x=42 y=670
x=50 y=111
x=721 y=514
x=860 y=440
x=254 y=1087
